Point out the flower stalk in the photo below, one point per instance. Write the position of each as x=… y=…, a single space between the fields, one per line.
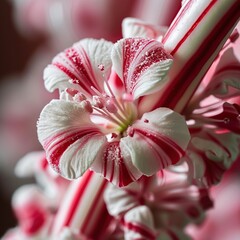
x=194 y=39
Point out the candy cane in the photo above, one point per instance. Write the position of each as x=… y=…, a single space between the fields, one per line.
x=83 y=209
x=194 y=39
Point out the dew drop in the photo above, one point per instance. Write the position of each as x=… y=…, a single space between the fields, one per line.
x=101 y=67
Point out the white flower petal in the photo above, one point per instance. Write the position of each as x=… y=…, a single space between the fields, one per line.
x=223 y=79
x=115 y=165
x=70 y=139
x=141 y=64
x=158 y=140
x=209 y=155
x=120 y=200
x=219 y=148
x=87 y=61
x=26 y=166
x=132 y=27
x=30 y=207
x=139 y=224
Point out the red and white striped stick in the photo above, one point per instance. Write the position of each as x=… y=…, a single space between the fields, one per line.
x=83 y=209
x=194 y=39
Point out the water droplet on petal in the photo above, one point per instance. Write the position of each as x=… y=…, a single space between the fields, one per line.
x=101 y=67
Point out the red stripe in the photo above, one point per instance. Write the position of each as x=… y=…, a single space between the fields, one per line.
x=91 y=226
x=83 y=184
x=89 y=217
x=77 y=59
x=176 y=21
x=62 y=145
x=195 y=64
x=173 y=235
x=43 y=163
x=172 y=150
x=196 y=23
x=125 y=177
x=102 y=230
x=228 y=68
x=141 y=229
x=72 y=76
x=114 y=158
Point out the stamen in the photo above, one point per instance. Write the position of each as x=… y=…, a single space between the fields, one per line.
x=106 y=115
x=130 y=131
x=114 y=135
x=72 y=92
x=96 y=92
x=110 y=106
x=114 y=99
x=98 y=102
x=210 y=120
x=127 y=97
x=87 y=106
x=233 y=37
x=74 y=81
x=79 y=97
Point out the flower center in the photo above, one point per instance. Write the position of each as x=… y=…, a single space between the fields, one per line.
x=114 y=113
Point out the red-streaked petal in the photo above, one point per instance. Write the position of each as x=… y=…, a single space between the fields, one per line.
x=26 y=166
x=138 y=223
x=222 y=78
x=217 y=153
x=158 y=140
x=120 y=200
x=132 y=27
x=115 y=165
x=70 y=139
x=30 y=207
x=87 y=62
x=228 y=118
x=141 y=64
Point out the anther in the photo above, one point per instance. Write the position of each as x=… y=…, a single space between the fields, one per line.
x=110 y=106
x=98 y=102
x=72 y=92
x=74 y=81
x=79 y=97
x=114 y=135
x=130 y=131
x=127 y=97
x=87 y=106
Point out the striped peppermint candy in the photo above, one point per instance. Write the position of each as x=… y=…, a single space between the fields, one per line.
x=204 y=25
x=83 y=208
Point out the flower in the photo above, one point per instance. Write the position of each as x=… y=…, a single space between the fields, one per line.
x=33 y=214
x=159 y=206
x=213 y=119
x=96 y=122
